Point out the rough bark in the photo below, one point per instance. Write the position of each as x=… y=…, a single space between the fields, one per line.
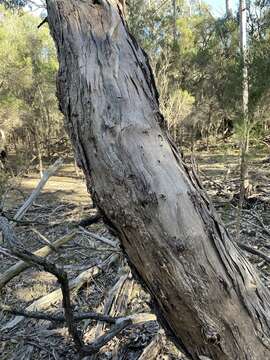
x=208 y=295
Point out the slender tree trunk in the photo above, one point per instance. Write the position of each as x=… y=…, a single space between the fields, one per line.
x=189 y=7
x=228 y=8
x=244 y=49
x=47 y=121
x=174 y=22
x=39 y=155
x=207 y=295
x=244 y=145
x=2 y=138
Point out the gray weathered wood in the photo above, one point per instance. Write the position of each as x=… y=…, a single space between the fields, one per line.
x=208 y=296
x=45 y=177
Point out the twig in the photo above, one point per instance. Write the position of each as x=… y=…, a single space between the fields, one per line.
x=42 y=22
x=58 y=318
x=44 y=239
x=120 y=324
x=265 y=229
x=96 y=345
x=99 y=238
x=256 y=216
x=6 y=252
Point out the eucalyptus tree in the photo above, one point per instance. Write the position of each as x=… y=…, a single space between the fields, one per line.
x=28 y=112
x=207 y=295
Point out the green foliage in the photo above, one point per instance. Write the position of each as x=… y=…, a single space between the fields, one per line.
x=28 y=65
x=206 y=62
x=13 y=4
x=199 y=74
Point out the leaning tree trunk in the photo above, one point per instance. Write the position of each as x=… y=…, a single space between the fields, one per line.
x=207 y=294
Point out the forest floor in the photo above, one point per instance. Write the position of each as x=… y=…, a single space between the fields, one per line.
x=60 y=206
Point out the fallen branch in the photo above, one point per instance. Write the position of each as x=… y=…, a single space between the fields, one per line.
x=16 y=269
x=120 y=303
x=25 y=255
x=82 y=223
x=44 y=239
x=253 y=251
x=99 y=238
x=140 y=318
x=153 y=349
x=23 y=222
x=15 y=248
x=96 y=345
x=74 y=285
x=47 y=174
x=108 y=306
x=116 y=303
x=120 y=325
x=58 y=318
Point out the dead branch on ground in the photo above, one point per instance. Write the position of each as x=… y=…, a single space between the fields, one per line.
x=47 y=174
x=253 y=251
x=20 y=266
x=18 y=250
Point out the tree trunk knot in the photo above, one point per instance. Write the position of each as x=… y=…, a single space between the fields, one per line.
x=149 y=198
x=211 y=334
x=177 y=244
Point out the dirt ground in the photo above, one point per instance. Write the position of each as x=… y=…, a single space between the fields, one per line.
x=61 y=205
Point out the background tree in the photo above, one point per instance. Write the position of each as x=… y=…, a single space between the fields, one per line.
x=206 y=62
x=28 y=107
x=13 y=4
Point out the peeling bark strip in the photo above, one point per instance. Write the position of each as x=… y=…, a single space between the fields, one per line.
x=207 y=293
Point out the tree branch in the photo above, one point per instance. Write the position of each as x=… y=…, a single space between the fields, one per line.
x=58 y=318
x=42 y=22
